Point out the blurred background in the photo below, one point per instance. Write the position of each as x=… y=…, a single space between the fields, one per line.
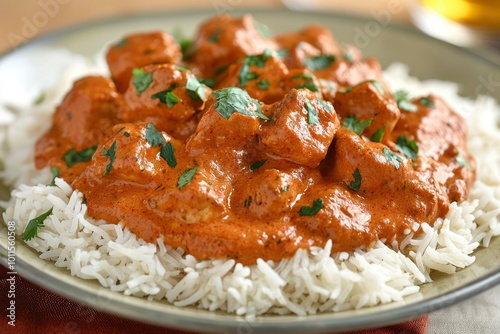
x=470 y=23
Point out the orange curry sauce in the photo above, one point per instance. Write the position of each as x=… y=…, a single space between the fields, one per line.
x=298 y=141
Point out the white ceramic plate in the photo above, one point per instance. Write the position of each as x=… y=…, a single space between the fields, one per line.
x=427 y=58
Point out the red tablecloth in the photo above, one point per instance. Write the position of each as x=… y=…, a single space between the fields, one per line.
x=40 y=311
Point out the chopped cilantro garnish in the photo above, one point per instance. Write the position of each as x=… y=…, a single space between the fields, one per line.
x=39 y=99
x=356 y=183
x=348 y=57
x=312 y=210
x=427 y=102
x=31 y=229
x=167 y=153
x=214 y=38
x=195 y=89
x=112 y=155
x=55 y=173
x=312 y=113
x=378 y=135
x=378 y=85
x=282 y=53
x=257 y=165
x=126 y=134
x=186 y=177
x=141 y=80
x=207 y=82
x=167 y=96
x=285 y=188
x=73 y=157
x=407 y=147
x=392 y=157
x=309 y=83
x=403 y=101
x=120 y=43
x=319 y=62
x=356 y=125
x=461 y=160
x=245 y=74
x=263 y=29
x=186 y=47
x=233 y=99
x=153 y=136
x=327 y=106
x=263 y=84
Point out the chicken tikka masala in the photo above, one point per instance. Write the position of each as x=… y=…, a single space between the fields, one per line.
x=241 y=145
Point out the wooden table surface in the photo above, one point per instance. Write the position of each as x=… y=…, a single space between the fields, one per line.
x=23 y=20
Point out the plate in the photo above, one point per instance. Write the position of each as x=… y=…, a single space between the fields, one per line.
x=427 y=58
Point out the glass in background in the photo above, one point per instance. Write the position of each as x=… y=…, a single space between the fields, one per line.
x=469 y=23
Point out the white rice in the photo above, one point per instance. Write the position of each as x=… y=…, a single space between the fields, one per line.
x=310 y=282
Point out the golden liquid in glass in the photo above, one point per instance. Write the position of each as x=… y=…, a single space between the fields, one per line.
x=474 y=13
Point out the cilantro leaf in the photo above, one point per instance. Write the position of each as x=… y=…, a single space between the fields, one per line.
x=31 y=229
x=378 y=85
x=245 y=74
x=112 y=155
x=120 y=43
x=356 y=125
x=348 y=57
x=403 y=100
x=153 y=136
x=257 y=165
x=356 y=183
x=141 y=80
x=319 y=62
x=167 y=96
x=312 y=114
x=186 y=177
x=167 y=153
x=426 y=102
x=392 y=157
x=263 y=84
x=312 y=210
x=309 y=83
x=214 y=38
x=407 y=147
x=39 y=100
x=262 y=29
x=55 y=173
x=327 y=106
x=233 y=99
x=73 y=157
x=461 y=160
x=378 y=135
x=195 y=89
x=207 y=82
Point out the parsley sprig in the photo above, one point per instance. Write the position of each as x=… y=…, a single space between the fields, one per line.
x=319 y=62
x=31 y=229
x=312 y=210
x=141 y=80
x=233 y=99
x=72 y=157
x=356 y=124
x=407 y=147
x=404 y=102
